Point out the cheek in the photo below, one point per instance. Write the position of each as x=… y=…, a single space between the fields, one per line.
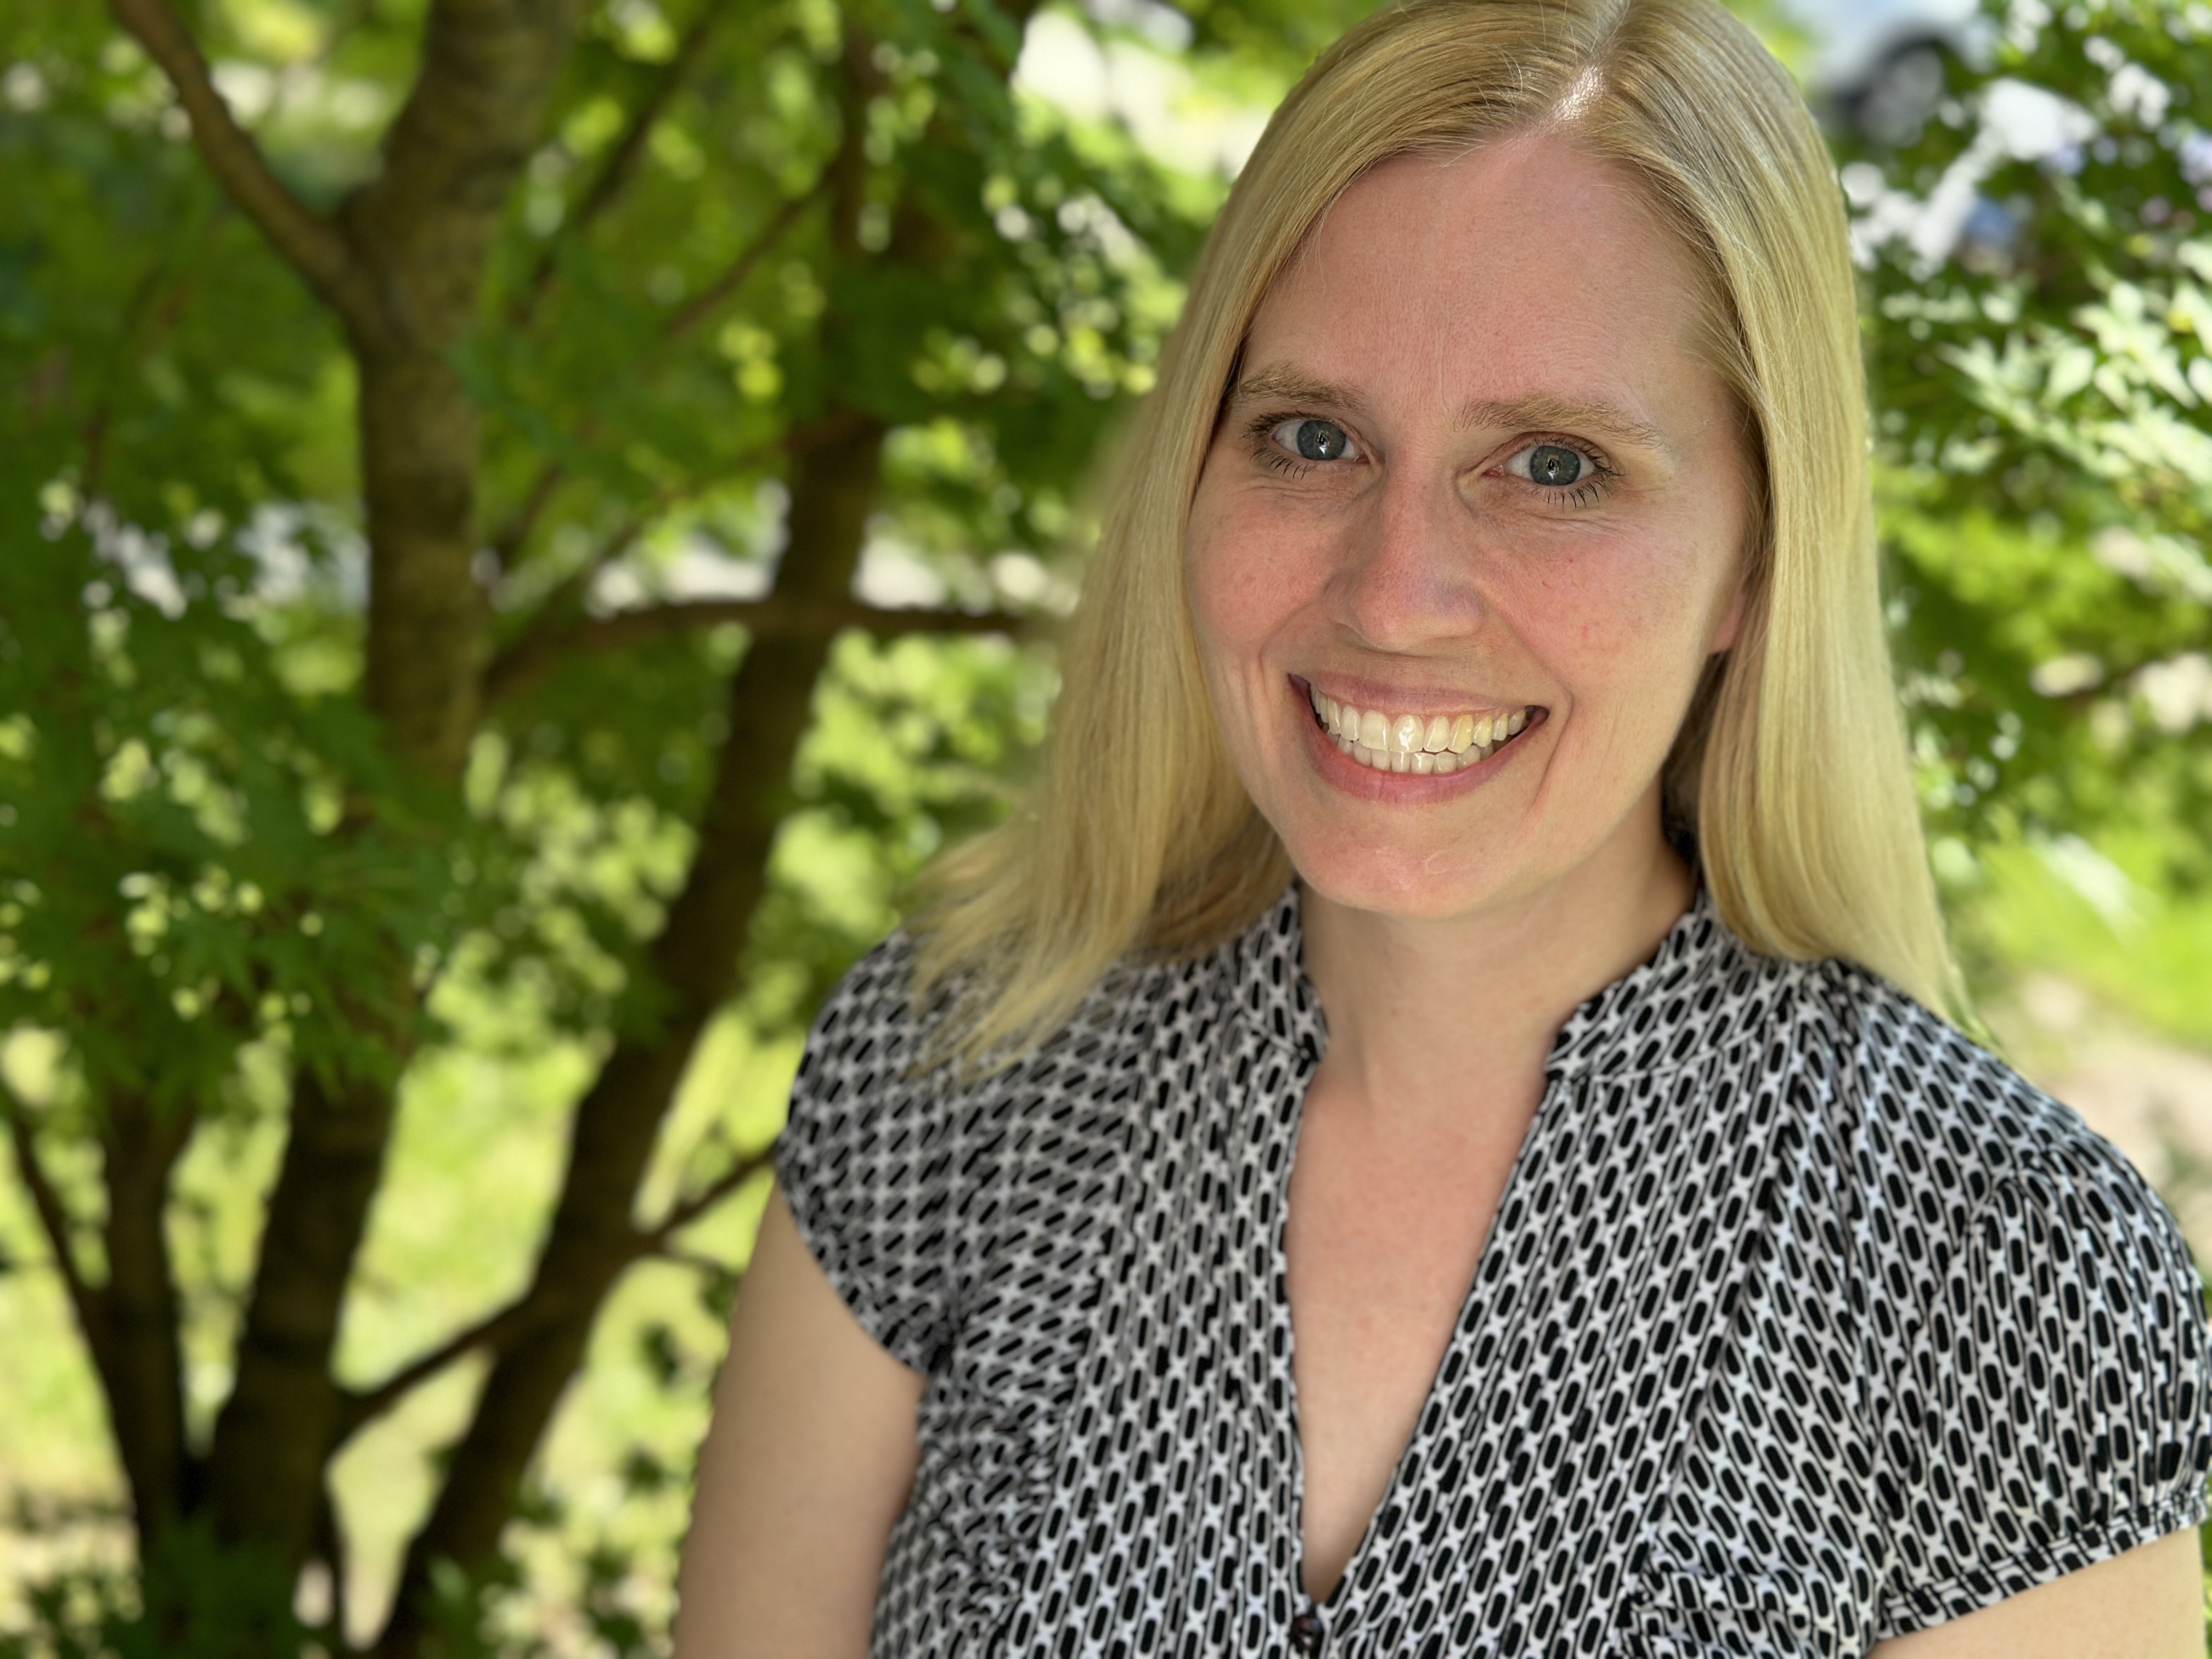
x=1627 y=615
x=1224 y=600
x=1245 y=585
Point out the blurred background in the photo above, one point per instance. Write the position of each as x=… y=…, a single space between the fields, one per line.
x=400 y=979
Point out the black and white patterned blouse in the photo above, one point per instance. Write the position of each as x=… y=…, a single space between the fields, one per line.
x=1802 y=1323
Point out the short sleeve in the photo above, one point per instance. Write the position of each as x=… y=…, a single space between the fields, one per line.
x=2064 y=1383
x=866 y=1161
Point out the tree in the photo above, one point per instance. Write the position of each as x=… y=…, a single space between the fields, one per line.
x=2037 y=234
x=400 y=398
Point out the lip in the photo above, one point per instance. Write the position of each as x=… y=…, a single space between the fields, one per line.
x=1369 y=784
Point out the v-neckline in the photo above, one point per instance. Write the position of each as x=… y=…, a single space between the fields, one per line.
x=1290 y=1011
x=1504 y=1216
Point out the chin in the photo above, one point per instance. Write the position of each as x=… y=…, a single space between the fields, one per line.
x=1411 y=884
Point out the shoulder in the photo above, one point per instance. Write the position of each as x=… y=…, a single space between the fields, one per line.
x=873 y=1045
x=867 y=1102
x=881 y=1097
x=1966 y=1185
x=2039 y=1358
x=1949 y=1111
x=867 y=1029
x=1862 y=1060
x=908 y=1174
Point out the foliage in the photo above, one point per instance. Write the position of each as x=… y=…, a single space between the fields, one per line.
x=191 y=1599
x=2039 y=240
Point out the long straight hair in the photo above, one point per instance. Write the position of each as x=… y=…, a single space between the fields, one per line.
x=1791 y=765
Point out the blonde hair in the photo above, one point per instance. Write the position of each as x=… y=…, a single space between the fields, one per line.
x=1791 y=767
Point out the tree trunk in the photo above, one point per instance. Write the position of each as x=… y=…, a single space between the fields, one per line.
x=271 y=1440
x=415 y=243
x=428 y=635
x=593 y=1233
x=140 y=1144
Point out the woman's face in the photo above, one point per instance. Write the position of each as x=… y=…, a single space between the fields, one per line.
x=1468 y=531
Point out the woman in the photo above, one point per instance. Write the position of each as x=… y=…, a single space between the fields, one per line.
x=1431 y=1138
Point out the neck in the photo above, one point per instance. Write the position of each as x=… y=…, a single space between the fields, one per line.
x=1445 y=1015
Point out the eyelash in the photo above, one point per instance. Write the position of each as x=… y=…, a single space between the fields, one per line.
x=1582 y=493
x=1257 y=432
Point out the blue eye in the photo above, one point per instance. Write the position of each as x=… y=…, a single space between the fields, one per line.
x=1311 y=440
x=1555 y=465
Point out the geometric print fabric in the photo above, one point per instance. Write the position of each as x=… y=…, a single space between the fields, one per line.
x=1802 y=1323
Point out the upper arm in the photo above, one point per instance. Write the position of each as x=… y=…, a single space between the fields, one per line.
x=806 y=1467
x=2051 y=1422
x=2145 y=1603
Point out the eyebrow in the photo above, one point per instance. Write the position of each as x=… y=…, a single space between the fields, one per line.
x=1537 y=409
x=1292 y=386
x=1541 y=409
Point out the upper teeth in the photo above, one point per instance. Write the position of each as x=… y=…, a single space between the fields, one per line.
x=1406 y=743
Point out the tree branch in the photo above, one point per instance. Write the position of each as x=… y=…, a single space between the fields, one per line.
x=703 y=303
x=359 y=1408
x=96 y=425
x=331 y=1545
x=422 y=230
x=594 y=1237
x=507 y=542
x=621 y=163
x=265 y=1463
x=311 y=244
x=534 y=651
x=425 y=225
x=777 y=618
x=141 y=1141
x=687 y=1209
x=701 y=1264
x=526 y=656
x=499 y=1331
x=86 y=1299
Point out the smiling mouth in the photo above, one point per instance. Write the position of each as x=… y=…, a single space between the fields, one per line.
x=1436 y=744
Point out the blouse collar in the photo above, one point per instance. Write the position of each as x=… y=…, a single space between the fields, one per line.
x=1628 y=1025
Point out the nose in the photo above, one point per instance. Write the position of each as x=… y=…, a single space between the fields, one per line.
x=1407 y=574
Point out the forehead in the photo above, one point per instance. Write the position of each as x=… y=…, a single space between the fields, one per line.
x=1523 y=267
